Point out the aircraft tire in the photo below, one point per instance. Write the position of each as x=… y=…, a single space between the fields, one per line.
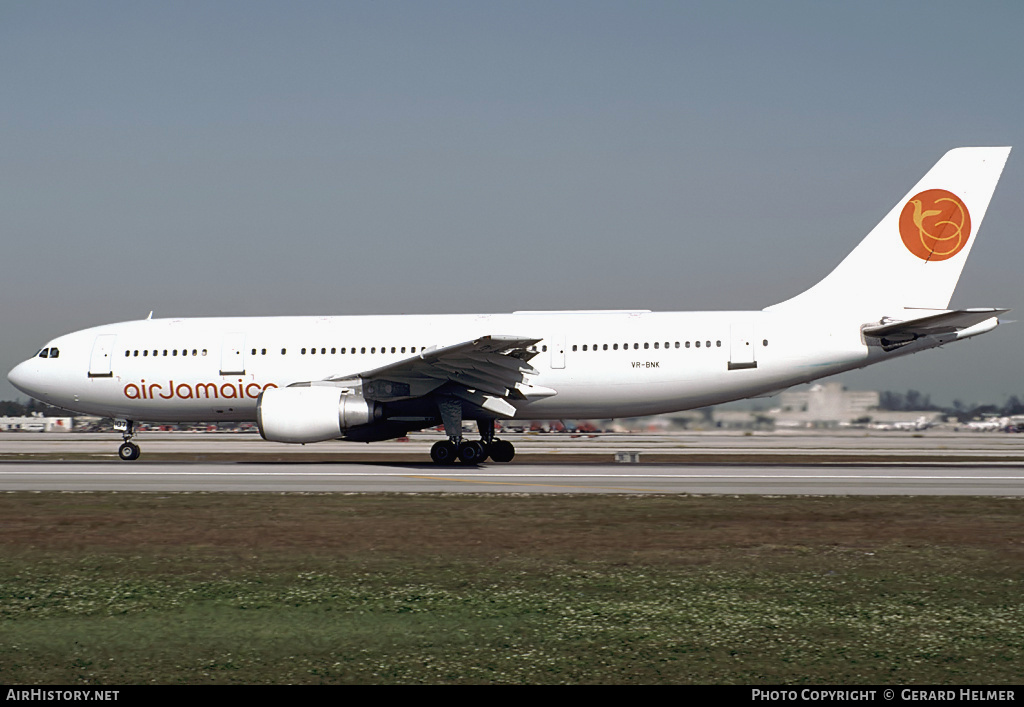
x=472 y=452
x=129 y=452
x=502 y=451
x=443 y=453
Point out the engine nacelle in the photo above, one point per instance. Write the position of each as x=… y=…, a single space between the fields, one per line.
x=311 y=414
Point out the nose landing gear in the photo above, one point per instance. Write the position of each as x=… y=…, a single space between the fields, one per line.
x=129 y=451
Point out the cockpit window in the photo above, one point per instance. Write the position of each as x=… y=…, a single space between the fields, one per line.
x=45 y=353
x=54 y=352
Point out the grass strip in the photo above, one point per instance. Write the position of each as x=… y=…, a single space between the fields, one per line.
x=130 y=588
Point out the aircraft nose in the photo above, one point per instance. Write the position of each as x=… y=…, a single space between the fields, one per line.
x=23 y=376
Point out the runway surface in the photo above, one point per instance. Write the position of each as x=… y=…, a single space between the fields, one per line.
x=524 y=478
x=786 y=464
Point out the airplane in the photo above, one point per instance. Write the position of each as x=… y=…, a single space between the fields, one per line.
x=989 y=425
x=923 y=422
x=368 y=378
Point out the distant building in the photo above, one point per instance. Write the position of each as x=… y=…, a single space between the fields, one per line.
x=36 y=424
x=826 y=402
x=827 y=405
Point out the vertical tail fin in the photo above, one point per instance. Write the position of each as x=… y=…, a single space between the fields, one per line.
x=913 y=258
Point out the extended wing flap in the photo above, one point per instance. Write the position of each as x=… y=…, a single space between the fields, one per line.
x=948 y=322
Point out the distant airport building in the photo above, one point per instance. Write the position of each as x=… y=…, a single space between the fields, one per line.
x=827 y=405
x=36 y=424
x=827 y=402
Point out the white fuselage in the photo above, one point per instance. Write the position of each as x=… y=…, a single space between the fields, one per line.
x=598 y=364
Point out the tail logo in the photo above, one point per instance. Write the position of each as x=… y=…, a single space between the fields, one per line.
x=935 y=225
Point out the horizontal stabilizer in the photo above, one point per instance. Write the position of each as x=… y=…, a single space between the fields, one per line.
x=947 y=322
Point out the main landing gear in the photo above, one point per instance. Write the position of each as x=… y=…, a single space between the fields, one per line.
x=129 y=451
x=471 y=451
x=455 y=448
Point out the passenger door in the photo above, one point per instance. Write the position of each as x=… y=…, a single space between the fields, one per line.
x=741 y=346
x=232 y=354
x=102 y=353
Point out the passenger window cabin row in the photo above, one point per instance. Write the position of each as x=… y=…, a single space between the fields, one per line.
x=647 y=345
x=165 y=352
x=323 y=350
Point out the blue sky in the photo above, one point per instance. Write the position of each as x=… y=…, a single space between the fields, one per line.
x=208 y=158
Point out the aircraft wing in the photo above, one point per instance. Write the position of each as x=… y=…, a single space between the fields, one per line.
x=488 y=372
x=947 y=322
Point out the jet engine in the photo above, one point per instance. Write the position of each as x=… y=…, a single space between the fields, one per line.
x=311 y=414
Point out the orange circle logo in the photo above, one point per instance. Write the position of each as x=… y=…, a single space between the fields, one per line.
x=935 y=225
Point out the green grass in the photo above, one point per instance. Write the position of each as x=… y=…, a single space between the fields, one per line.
x=221 y=588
